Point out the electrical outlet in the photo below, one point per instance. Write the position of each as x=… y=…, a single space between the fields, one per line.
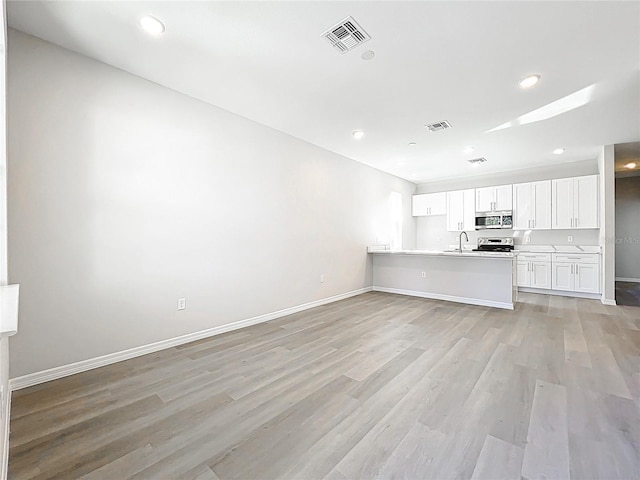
x=424 y=275
x=527 y=239
x=321 y=278
x=570 y=238
x=182 y=303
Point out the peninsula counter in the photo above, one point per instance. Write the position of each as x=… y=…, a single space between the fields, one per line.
x=476 y=278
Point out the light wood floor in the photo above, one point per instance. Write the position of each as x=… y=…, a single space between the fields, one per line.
x=376 y=386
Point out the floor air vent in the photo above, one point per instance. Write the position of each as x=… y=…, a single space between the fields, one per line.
x=346 y=35
x=443 y=125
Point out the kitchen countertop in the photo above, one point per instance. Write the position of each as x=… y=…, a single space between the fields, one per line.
x=557 y=249
x=440 y=253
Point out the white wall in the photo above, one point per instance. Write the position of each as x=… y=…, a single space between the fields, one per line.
x=125 y=196
x=561 y=170
x=431 y=231
x=628 y=228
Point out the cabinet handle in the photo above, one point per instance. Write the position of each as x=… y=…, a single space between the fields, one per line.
x=572 y=222
x=533 y=224
x=572 y=269
x=576 y=222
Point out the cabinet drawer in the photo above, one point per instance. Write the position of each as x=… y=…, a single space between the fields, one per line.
x=538 y=257
x=591 y=258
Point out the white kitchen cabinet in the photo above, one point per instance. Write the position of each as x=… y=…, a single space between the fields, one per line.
x=576 y=272
x=586 y=203
x=532 y=205
x=575 y=202
x=461 y=210
x=534 y=270
x=429 y=204
x=587 y=278
x=491 y=199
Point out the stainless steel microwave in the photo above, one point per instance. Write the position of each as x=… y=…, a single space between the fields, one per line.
x=487 y=220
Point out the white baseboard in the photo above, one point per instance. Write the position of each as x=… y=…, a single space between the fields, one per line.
x=6 y=423
x=608 y=301
x=627 y=279
x=448 y=298
x=560 y=293
x=89 y=364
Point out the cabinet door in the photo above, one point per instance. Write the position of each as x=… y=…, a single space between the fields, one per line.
x=485 y=199
x=585 y=198
x=562 y=277
x=587 y=277
x=562 y=203
x=522 y=206
x=503 y=198
x=420 y=205
x=541 y=274
x=437 y=203
x=523 y=277
x=468 y=210
x=541 y=192
x=455 y=210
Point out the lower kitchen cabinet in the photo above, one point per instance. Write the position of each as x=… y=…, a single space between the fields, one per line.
x=534 y=270
x=576 y=272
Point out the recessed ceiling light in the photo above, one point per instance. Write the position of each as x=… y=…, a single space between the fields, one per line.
x=558 y=151
x=412 y=144
x=468 y=149
x=630 y=166
x=529 y=82
x=368 y=55
x=358 y=134
x=151 y=25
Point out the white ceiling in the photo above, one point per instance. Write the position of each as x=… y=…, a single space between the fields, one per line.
x=455 y=61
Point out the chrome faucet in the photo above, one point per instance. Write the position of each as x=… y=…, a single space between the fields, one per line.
x=460 y=240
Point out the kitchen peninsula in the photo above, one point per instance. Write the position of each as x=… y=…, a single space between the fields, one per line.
x=476 y=278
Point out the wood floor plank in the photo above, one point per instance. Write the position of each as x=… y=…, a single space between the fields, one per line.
x=547 y=452
x=498 y=460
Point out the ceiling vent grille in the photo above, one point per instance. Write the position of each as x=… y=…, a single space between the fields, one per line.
x=346 y=35
x=477 y=161
x=434 y=127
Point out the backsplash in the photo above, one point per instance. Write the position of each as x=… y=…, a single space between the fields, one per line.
x=432 y=235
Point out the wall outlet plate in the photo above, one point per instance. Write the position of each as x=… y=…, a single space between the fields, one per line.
x=570 y=238
x=182 y=303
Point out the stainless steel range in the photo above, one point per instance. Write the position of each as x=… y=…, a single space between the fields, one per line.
x=494 y=244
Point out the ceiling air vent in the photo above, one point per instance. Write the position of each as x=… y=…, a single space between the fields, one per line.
x=434 y=127
x=346 y=35
x=477 y=161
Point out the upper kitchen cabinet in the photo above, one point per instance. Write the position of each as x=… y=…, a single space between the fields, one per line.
x=532 y=205
x=461 y=210
x=429 y=204
x=575 y=202
x=491 y=199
